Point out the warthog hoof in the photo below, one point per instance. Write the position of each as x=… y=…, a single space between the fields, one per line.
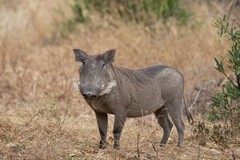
x=102 y=144
x=116 y=145
x=162 y=145
x=180 y=145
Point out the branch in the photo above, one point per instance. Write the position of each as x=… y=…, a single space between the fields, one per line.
x=138 y=150
x=230 y=80
x=28 y=121
x=230 y=10
x=238 y=82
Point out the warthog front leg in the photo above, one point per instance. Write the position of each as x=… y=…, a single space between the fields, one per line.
x=163 y=120
x=117 y=130
x=102 y=121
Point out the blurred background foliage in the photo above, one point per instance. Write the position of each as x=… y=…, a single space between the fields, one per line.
x=135 y=11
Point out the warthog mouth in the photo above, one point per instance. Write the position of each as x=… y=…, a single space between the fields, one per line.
x=104 y=90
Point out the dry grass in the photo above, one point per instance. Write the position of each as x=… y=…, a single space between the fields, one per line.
x=42 y=116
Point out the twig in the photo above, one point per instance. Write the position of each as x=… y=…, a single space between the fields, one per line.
x=199 y=151
x=230 y=80
x=138 y=150
x=238 y=81
x=154 y=148
x=195 y=99
x=20 y=155
x=29 y=121
x=230 y=10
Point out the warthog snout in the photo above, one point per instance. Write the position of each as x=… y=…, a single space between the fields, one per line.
x=90 y=92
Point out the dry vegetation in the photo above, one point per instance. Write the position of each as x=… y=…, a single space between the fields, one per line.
x=42 y=116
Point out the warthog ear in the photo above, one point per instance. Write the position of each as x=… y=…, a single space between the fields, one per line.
x=80 y=55
x=108 y=56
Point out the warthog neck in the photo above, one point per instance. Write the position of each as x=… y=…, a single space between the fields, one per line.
x=132 y=83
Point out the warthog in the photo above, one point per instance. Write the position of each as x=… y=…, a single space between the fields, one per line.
x=131 y=93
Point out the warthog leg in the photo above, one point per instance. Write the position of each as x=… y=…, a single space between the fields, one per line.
x=175 y=111
x=163 y=120
x=102 y=121
x=117 y=129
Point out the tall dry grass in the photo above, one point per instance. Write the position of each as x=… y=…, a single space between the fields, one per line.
x=42 y=116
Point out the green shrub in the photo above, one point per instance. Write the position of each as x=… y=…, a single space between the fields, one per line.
x=137 y=11
x=69 y=24
x=140 y=11
x=225 y=108
x=226 y=103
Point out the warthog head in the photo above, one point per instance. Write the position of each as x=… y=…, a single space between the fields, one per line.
x=95 y=78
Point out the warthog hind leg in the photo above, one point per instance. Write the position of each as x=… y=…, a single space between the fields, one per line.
x=175 y=111
x=163 y=120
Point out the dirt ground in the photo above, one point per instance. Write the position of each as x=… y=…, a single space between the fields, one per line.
x=43 y=115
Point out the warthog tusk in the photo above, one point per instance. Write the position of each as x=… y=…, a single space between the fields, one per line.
x=109 y=87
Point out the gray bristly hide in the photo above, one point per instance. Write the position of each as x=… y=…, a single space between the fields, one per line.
x=131 y=93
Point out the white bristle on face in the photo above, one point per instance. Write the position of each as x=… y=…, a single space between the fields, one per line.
x=109 y=87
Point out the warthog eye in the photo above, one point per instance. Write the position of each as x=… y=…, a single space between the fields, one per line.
x=84 y=61
x=103 y=65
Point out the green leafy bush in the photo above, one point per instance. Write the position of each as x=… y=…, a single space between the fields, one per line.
x=225 y=108
x=226 y=103
x=70 y=23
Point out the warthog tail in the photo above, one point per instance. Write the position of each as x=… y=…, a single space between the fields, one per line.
x=189 y=116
